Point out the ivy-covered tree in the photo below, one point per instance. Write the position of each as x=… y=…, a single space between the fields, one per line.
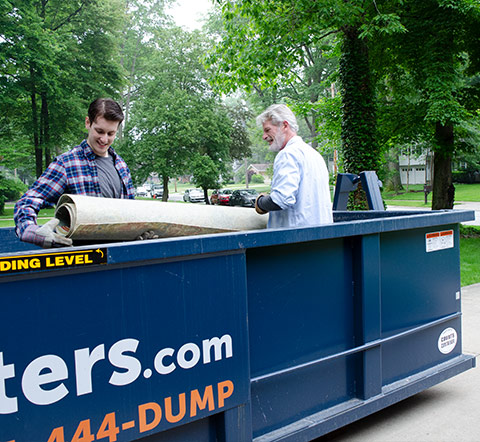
x=267 y=42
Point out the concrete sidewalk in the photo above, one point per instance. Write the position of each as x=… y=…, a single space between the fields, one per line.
x=447 y=412
x=460 y=205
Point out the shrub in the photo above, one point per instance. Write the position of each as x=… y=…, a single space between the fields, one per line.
x=257 y=179
x=466 y=176
x=10 y=190
x=469 y=231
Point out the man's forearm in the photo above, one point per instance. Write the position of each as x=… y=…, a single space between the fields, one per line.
x=266 y=204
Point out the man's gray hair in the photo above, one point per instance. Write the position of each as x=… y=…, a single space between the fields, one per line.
x=277 y=114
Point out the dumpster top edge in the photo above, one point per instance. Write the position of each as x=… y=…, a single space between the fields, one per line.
x=347 y=224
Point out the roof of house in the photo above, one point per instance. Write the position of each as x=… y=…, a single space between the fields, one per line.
x=259 y=167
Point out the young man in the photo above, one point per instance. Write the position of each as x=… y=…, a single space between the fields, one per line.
x=93 y=168
x=300 y=193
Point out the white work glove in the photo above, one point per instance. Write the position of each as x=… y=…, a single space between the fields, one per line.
x=45 y=236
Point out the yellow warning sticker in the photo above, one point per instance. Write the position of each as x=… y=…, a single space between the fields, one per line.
x=60 y=260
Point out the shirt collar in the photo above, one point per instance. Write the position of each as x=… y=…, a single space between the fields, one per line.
x=91 y=154
x=292 y=140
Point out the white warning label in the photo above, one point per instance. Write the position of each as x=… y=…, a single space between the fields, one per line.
x=439 y=240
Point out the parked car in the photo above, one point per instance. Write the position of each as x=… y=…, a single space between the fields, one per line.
x=157 y=191
x=243 y=197
x=221 y=196
x=142 y=192
x=224 y=197
x=193 y=196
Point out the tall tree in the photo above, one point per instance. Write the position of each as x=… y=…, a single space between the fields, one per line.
x=266 y=42
x=142 y=19
x=430 y=76
x=175 y=116
x=58 y=56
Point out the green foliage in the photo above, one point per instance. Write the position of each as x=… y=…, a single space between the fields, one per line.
x=56 y=57
x=240 y=115
x=206 y=173
x=428 y=83
x=10 y=190
x=466 y=176
x=257 y=179
x=143 y=18
x=467 y=231
x=175 y=116
x=280 y=44
x=360 y=149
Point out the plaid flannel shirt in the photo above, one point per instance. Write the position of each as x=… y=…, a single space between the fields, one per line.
x=73 y=172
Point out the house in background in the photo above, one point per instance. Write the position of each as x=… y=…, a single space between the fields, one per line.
x=260 y=169
x=416 y=168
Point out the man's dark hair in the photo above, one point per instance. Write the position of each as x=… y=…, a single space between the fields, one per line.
x=106 y=108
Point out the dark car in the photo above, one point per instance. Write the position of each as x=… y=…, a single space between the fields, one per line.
x=243 y=197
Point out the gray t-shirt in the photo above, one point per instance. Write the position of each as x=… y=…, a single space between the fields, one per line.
x=110 y=183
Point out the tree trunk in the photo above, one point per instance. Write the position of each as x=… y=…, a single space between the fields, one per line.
x=165 y=188
x=359 y=145
x=394 y=181
x=45 y=129
x=443 y=188
x=36 y=141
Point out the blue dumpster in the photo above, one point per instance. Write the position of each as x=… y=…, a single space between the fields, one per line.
x=274 y=335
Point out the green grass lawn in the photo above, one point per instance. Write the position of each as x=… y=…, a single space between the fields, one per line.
x=469 y=255
x=6 y=220
x=463 y=192
x=409 y=203
x=470 y=261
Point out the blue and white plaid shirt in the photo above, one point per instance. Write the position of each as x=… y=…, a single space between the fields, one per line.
x=73 y=172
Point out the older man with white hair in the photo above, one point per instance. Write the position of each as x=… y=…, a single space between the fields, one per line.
x=300 y=193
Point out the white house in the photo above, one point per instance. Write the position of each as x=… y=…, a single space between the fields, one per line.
x=416 y=169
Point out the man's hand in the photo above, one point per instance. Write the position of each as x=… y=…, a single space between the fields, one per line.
x=149 y=234
x=45 y=236
x=257 y=208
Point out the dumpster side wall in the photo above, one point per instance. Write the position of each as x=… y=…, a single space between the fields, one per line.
x=338 y=322
x=275 y=335
x=137 y=349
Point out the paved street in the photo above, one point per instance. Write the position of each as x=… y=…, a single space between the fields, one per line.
x=458 y=206
x=447 y=412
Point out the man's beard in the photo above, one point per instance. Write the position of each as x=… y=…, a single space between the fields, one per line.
x=278 y=143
